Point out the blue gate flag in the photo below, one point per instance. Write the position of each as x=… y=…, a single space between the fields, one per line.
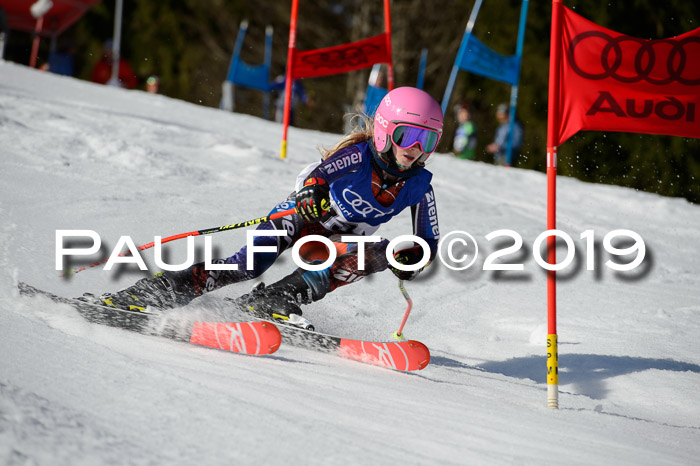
x=476 y=57
x=245 y=75
x=480 y=59
x=254 y=77
x=373 y=97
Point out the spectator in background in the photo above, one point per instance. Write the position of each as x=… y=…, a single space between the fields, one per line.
x=4 y=31
x=61 y=60
x=298 y=95
x=152 y=84
x=465 y=138
x=102 y=71
x=500 y=140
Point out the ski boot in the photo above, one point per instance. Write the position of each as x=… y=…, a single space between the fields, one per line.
x=147 y=294
x=280 y=301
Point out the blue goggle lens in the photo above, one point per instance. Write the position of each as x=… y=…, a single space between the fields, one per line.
x=407 y=136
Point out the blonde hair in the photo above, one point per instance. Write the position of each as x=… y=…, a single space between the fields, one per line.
x=362 y=131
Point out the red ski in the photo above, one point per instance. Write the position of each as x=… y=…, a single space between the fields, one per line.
x=242 y=337
x=408 y=355
x=239 y=337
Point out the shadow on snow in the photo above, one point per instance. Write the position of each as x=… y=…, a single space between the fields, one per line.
x=585 y=372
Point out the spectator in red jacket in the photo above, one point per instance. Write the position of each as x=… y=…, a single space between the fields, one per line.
x=102 y=71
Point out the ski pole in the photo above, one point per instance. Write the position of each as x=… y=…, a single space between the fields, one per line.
x=398 y=335
x=206 y=231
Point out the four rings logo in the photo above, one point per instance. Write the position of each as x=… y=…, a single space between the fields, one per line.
x=678 y=55
x=349 y=56
x=361 y=206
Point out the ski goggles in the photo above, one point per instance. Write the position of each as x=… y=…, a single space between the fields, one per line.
x=405 y=135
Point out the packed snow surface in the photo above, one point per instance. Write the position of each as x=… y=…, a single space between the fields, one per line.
x=79 y=156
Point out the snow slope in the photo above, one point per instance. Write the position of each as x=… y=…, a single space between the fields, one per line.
x=80 y=156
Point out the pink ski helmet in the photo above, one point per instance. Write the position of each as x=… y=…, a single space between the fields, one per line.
x=407 y=116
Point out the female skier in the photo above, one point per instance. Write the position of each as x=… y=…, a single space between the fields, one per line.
x=369 y=177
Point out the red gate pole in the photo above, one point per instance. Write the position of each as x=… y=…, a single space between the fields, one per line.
x=288 y=81
x=387 y=28
x=35 y=43
x=552 y=141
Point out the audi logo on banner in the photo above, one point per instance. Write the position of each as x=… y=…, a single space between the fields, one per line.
x=658 y=62
x=350 y=56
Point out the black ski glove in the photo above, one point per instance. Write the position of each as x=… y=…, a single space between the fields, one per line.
x=313 y=200
x=408 y=256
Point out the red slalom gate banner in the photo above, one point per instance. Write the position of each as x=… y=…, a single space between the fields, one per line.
x=333 y=60
x=612 y=82
x=602 y=80
x=341 y=58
